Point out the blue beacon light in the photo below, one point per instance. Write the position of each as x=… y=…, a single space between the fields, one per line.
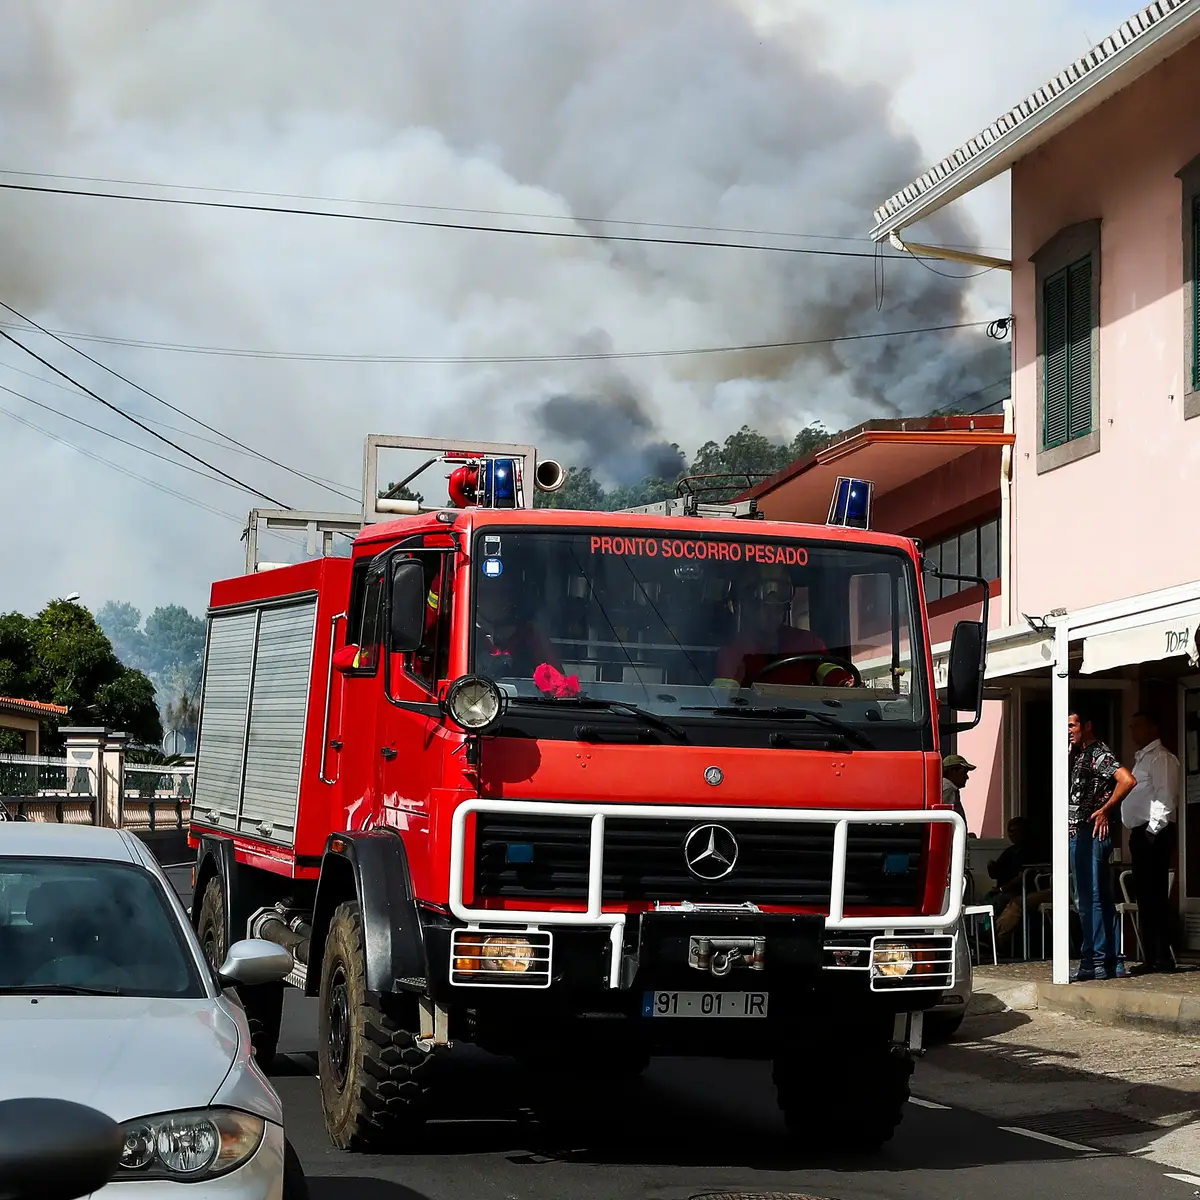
x=851 y=505
x=499 y=483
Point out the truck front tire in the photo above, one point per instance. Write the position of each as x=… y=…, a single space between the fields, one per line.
x=374 y=1076
x=263 y=1005
x=850 y=1101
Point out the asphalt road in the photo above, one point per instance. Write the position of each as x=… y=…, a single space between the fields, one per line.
x=687 y=1128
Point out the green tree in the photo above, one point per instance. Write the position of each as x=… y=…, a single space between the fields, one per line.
x=405 y=493
x=173 y=638
x=62 y=656
x=122 y=625
x=580 y=492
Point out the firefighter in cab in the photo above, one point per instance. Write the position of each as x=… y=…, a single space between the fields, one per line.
x=507 y=643
x=762 y=600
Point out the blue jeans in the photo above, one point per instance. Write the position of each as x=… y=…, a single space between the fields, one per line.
x=1093 y=894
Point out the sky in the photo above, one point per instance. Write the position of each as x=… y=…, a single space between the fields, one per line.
x=787 y=121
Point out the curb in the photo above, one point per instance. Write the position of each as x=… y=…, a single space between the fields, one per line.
x=991 y=995
x=1108 y=1003
x=1111 y=1004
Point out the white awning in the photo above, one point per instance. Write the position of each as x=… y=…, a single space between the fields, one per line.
x=1163 y=634
x=1010 y=651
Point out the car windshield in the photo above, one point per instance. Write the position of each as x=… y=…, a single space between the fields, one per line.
x=690 y=626
x=70 y=925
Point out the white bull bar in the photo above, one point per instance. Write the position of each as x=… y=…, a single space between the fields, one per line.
x=596 y=917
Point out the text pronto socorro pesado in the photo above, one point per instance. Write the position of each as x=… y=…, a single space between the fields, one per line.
x=702 y=548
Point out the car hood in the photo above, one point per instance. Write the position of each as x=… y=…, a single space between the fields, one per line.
x=127 y=1056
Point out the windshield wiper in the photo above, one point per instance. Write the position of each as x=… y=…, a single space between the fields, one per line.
x=56 y=989
x=634 y=710
x=795 y=714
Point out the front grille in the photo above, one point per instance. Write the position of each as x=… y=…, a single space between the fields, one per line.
x=523 y=856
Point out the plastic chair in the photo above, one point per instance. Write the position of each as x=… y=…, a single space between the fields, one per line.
x=1046 y=908
x=1128 y=908
x=983 y=910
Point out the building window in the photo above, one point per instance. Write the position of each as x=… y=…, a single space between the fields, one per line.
x=1067 y=369
x=973 y=551
x=1190 y=177
x=1068 y=332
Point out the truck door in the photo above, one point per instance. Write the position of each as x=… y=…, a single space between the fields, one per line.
x=352 y=750
x=409 y=728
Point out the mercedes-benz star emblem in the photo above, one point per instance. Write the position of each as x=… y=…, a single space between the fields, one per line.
x=713 y=775
x=710 y=852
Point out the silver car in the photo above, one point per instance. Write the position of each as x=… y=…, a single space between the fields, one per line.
x=106 y=1000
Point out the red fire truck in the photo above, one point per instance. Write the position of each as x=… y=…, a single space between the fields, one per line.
x=585 y=788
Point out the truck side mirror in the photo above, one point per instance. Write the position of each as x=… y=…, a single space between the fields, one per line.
x=406 y=616
x=965 y=671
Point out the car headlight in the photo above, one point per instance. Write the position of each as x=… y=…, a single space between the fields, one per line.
x=187 y=1146
x=474 y=702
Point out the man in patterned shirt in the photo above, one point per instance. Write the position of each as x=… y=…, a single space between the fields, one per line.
x=1098 y=784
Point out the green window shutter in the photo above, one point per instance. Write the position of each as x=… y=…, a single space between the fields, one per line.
x=1196 y=294
x=1079 y=349
x=1054 y=321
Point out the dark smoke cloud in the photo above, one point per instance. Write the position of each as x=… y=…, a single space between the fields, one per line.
x=613 y=433
x=675 y=110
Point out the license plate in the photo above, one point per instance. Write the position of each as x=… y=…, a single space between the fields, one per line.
x=704 y=1004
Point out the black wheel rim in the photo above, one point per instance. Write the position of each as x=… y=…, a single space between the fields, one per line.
x=339 y=1027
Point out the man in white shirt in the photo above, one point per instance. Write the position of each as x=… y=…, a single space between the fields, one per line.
x=1149 y=813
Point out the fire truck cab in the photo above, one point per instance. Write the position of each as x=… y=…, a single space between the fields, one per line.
x=585 y=788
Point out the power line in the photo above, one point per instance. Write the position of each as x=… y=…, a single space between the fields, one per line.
x=124 y=379
x=123 y=441
x=373 y=218
x=971 y=395
x=468 y=360
x=140 y=424
x=479 y=212
x=187 y=433
x=123 y=470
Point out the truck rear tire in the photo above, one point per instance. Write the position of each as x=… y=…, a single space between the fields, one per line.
x=851 y=1101
x=263 y=1005
x=374 y=1076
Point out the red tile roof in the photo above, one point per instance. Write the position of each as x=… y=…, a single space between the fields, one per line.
x=31 y=708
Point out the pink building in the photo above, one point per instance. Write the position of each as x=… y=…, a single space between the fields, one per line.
x=1105 y=577
x=938 y=479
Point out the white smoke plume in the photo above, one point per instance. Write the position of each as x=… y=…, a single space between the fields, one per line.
x=680 y=111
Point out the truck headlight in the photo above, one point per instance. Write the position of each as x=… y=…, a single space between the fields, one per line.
x=188 y=1146
x=893 y=959
x=495 y=952
x=474 y=702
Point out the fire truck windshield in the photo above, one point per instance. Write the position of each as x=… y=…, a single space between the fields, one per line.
x=697 y=628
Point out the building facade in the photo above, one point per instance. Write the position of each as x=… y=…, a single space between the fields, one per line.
x=1105 y=575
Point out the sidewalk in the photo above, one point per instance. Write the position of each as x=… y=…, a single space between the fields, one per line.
x=1167 y=1003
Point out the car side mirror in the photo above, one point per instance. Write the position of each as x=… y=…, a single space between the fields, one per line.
x=406 y=616
x=965 y=671
x=254 y=961
x=56 y=1149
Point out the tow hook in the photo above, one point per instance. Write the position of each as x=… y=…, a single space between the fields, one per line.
x=719 y=956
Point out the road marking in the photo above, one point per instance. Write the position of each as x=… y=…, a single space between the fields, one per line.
x=928 y=1104
x=1048 y=1139
x=1192 y=1179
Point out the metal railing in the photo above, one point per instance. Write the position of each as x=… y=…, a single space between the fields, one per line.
x=595 y=914
x=156 y=797
x=37 y=788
